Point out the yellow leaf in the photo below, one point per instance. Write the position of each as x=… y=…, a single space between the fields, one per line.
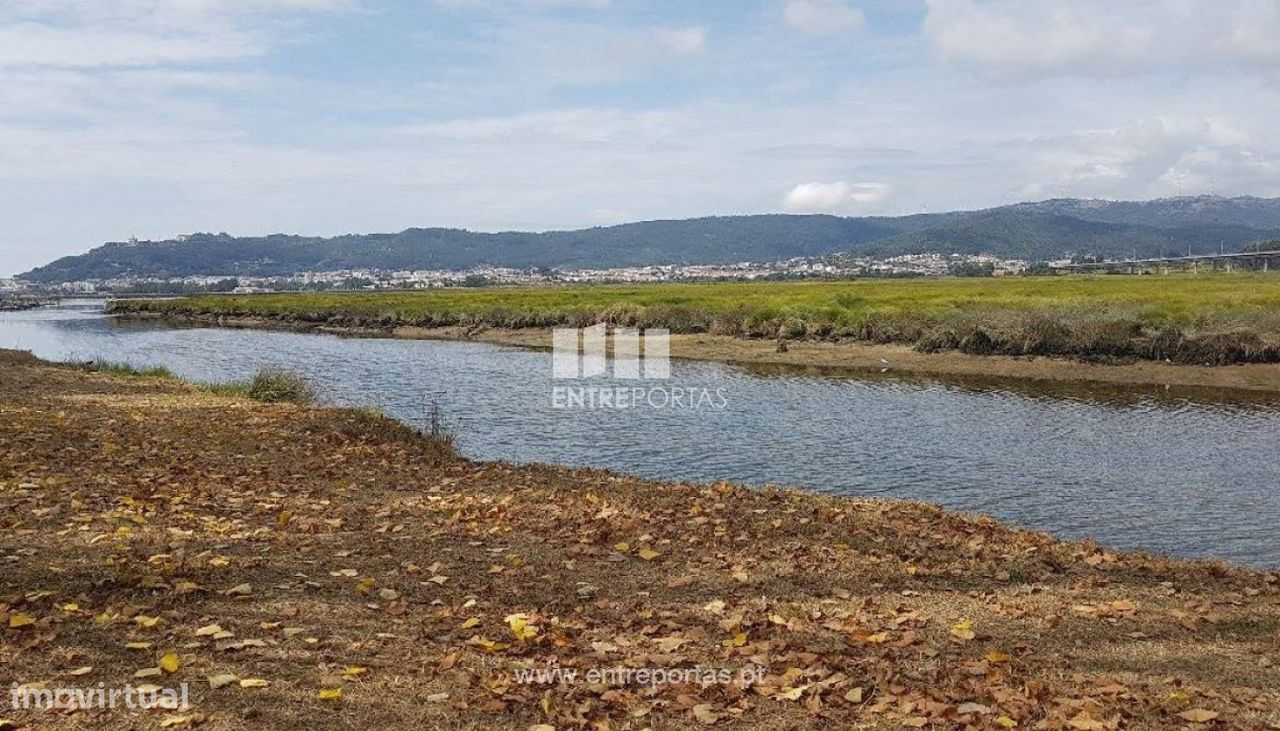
x=996 y=657
x=648 y=554
x=170 y=663
x=72 y=607
x=172 y=721
x=145 y=621
x=81 y=671
x=471 y=622
x=208 y=630
x=365 y=586
x=138 y=646
x=791 y=694
x=354 y=671
x=854 y=695
x=1198 y=715
x=963 y=630
x=254 y=683
x=329 y=694
x=521 y=628
x=622 y=547
x=20 y=620
x=1006 y=722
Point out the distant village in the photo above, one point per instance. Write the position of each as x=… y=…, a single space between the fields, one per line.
x=834 y=267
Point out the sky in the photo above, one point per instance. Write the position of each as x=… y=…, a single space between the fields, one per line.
x=152 y=118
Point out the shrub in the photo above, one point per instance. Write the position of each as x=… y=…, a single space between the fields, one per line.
x=622 y=314
x=938 y=340
x=1106 y=338
x=978 y=342
x=273 y=385
x=792 y=328
x=1224 y=348
x=1044 y=336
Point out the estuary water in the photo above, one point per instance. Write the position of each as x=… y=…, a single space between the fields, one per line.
x=1194 y=473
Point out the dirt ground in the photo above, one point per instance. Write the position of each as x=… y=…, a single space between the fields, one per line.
x=330 y=569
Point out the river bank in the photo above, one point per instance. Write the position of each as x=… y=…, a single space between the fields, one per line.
x=835 y=356
x=327 y=569
x=18 y=304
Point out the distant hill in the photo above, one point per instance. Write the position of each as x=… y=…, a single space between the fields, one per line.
x=1042 y=230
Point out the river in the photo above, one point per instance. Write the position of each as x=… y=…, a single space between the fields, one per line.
x=1189 y=473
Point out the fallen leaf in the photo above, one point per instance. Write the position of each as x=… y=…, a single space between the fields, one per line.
x=20 y=620
x=219 y=681
x=963 y=630
x=704 y=714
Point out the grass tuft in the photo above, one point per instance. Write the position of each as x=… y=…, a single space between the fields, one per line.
x=275 y=385
x=125 y=369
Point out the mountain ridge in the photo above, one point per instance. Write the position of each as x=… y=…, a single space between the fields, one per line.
x=1036 y=230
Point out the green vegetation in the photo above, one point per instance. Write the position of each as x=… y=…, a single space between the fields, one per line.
x=124 y=369
x=272 y=385
x=1214 y=319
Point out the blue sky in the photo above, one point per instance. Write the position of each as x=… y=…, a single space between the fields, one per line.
x=158 y=117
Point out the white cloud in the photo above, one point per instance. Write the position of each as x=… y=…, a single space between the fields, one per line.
x=568 y=126
x=1102 y=38
x=683 y=40
x=86 y=34
x=836 y=197
x=1161 y=156
x=822 y=16
x=32 y=45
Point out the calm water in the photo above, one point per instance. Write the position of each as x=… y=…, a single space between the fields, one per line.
x=1193 y=474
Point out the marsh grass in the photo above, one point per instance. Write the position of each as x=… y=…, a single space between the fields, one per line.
x=275 y=385
x=125 y=369
x=1219 y=318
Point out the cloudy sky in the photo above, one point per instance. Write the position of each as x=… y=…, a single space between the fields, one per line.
x=158 y=117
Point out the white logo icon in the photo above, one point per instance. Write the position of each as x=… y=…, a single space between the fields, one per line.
x=570 y=361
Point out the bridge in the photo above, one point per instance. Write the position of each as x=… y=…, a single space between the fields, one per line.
x=1246 y=260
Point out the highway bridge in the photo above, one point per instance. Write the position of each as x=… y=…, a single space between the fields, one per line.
x=1260 y=260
